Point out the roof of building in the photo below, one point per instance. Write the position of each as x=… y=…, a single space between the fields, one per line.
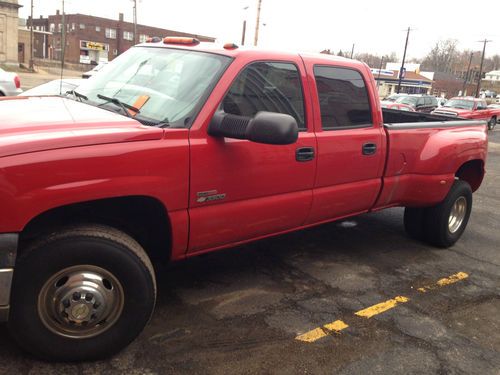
x=410 y=76
x=494 y=73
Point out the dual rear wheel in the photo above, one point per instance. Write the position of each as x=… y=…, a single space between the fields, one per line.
x=441 y=225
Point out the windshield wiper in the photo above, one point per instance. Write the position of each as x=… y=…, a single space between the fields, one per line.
x=124 y=106
x=77 y=95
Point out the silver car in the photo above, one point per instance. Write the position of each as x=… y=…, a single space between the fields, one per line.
x=10 y=84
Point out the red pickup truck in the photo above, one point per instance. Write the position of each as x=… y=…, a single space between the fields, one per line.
x=470 y=108
x=176 y=149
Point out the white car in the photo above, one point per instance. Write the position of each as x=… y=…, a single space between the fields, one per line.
x=10 y=84
x=98 y=67
x=55 y=87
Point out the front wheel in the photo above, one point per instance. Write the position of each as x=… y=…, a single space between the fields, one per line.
x=492 y=123
x=81 y=294
x=445 y=222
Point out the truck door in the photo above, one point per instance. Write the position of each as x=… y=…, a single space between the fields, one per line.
x=351 y=142
x=242 y=190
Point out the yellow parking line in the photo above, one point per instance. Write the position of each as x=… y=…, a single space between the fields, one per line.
x=339 y=325
x=444 y=281
x=321 y=332
x=381 y=307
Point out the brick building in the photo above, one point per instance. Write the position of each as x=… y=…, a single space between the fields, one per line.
x=90 y=40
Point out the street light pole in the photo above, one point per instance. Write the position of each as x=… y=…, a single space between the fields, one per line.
x=135 y=21
x=256 y=39
x=481 y=67
x=403 y=62
x=31 y=64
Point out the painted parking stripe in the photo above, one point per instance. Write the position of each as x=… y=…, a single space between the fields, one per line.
x=381 y=307
x=444 y=281
x=338 y=325
x=321 y=332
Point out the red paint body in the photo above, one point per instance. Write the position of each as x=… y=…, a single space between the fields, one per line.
x=55 y=152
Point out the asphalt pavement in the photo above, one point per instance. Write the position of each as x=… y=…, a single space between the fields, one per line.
x=352 y=297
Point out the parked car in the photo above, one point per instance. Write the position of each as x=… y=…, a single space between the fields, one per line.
x=100 y=185
x=470 y=108
x=93 y=71
x=393 y=97
x=419 y=102
x=397 y=106
x=55 y=87
x=440 y=101
x=10 y=83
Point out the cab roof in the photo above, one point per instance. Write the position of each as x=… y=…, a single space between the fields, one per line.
x=249 y=52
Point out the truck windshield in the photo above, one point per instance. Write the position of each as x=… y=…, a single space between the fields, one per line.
x=459 y=103
x=167 y=86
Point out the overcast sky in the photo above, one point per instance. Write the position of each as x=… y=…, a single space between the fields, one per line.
x=373 y=26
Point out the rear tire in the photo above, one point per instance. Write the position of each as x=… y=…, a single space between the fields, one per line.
x=445 y=223
x=414 y=222
x=492 y=123
x=81 y=294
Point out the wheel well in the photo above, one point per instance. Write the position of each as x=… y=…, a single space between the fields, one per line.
x=143 y=218
x=472 y=172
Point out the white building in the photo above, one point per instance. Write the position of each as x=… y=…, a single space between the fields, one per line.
x=8 y=31
x=494 y=75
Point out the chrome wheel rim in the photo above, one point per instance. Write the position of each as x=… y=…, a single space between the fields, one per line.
x=80 y=302
x=457 y=214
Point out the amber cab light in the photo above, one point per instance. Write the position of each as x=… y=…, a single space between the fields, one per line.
x=230 y=46
x=180 y=40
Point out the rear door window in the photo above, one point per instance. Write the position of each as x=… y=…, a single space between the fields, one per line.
x=343 y=98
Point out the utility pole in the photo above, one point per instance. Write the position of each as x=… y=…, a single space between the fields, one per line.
x=135 y=21
x=31 y=67
x=467 y=74
x=403 y=63
x=481 y=66
x=352 y=50
x=256 y=39
x=63 y=46
x=380 y=70
x=244 y=32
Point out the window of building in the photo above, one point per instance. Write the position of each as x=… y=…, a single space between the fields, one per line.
x=52 y=27
x=73 y=26
x=59 y=27
x=110 y=33
x=267 y=86
x=98 y=29
x=143 y=38
x=82 y=26
x=343 y=98
x=128 y=35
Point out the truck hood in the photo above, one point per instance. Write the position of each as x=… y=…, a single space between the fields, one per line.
x=47 y=123
x=453 y=111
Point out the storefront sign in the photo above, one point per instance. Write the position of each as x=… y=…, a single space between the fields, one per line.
x=94 y=46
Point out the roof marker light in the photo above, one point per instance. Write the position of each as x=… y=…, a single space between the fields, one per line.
x=180 y=40
x=154 y=39
x=231 y=46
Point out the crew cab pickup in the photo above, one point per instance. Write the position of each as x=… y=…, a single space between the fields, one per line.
x=178 y=148
x=470 y=108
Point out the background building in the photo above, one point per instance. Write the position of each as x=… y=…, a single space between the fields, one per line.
x=9 y=18
x=412 y=83
x=90 y=40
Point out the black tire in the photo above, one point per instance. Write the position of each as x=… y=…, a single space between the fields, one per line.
x=414 y=222
x=95 y=246
x=492 y=123
x=437 y=228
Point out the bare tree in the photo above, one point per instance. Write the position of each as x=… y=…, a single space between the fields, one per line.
x=441 y=57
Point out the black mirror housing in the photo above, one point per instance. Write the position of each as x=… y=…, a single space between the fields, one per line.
x=265 y=127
